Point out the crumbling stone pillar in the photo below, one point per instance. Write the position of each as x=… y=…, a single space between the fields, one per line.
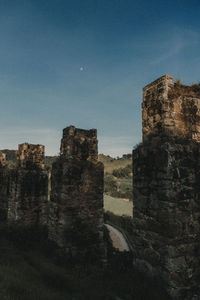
x=166 y=188
x=28 y=187
x=3 y=188
x=30 y=156
x=2 y=159
x=76 y=206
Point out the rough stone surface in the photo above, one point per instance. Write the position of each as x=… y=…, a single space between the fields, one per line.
x=28 y=187
x=77 y=192
x=168 y=109
x=166 y=190
x=31 y=156
x=3 y=188
x=2 y=159
x=79 y=144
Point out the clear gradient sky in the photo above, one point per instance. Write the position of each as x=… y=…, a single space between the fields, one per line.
x=85 y=62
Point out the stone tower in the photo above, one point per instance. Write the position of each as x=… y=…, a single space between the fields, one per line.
x=76 y=206
x=166 y=187
x=3 y=188
x=28 y=187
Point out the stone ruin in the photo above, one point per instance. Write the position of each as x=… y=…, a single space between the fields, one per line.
x=3 y=187
x=79 y=143
x=166 y=187
x=24 y=189
x=2 y=159
x=73 y=210
x=76 y=204
x=31 y=156
x=28 y=187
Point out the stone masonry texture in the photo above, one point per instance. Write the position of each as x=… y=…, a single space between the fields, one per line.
x=28 y=187
x=169 y=109
x=2 y=159
x=31 y=156
x=3 y=188
x=79 y=143
x=76 y=206
x=166 y=188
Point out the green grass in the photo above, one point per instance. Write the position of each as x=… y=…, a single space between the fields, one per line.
x=32 y=268
x=117 y=206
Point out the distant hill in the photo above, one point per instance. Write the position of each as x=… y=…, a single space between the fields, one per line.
x=117 y=176
x=111 y=163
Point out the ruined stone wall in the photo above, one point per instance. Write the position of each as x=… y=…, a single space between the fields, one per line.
x=28 y=187
x=30 y=156
x=3 y=188
x=166 y=191
x=2 y=159
x=166 y=110
x=76 y=206
x=79 y=143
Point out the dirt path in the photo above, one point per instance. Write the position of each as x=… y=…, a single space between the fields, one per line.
x=117 y=238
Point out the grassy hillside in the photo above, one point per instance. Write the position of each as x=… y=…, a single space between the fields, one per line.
x=32 y=268
x=117 y=206
x=111 y=163
x=117 y=176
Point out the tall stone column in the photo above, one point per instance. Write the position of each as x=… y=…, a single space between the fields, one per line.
x=166 y=188
x=28 y=187
x=76 y=205
x=3 y=188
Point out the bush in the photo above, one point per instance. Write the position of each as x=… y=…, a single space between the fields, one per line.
x=110 y=184
x=123 y=172
x=118 y=188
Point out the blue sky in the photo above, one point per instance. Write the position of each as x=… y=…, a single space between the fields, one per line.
x=85 y=62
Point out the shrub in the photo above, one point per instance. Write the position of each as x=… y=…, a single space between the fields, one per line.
x=110 y=184
x=123 y=172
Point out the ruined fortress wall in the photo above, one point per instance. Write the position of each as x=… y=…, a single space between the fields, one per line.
x=2 y=159
x=28 y=187
x=169 y=110
x=30 y=156
x=166 y=192
x=166 y=213
x=28 y=196
x=79 y=143
x=3 y=188
x=76 y=206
